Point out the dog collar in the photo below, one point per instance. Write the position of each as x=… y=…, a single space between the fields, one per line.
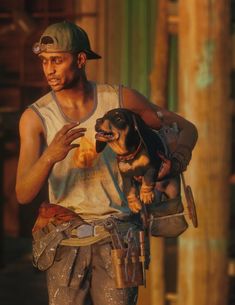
x=130 y=156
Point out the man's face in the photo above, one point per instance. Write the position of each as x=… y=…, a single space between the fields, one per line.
x=60 y=69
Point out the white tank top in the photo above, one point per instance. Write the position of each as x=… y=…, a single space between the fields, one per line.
x=86 y=182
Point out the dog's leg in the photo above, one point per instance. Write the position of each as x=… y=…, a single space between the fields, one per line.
x=130 y=192
x=170 y=187
x=148 y=185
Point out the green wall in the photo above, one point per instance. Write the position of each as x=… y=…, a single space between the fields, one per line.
x=130 y=49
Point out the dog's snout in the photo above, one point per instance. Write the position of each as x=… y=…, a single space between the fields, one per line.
x=98 y=123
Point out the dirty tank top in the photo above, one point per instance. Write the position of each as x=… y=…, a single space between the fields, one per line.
x=85 y=182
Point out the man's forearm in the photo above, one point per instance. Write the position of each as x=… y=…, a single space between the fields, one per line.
x=29 y=183
x=185 y=144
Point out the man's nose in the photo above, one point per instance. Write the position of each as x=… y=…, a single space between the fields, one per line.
x=50 y=68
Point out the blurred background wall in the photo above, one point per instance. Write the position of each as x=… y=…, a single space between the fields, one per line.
x=181 y=56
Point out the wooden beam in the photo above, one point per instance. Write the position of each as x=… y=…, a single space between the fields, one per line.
x=231 y=268
x=88 y=21
x=173 y=18
x=101 y=25
x=158 y=81
x=159 y=74
x=204 y=99
x=157 y=271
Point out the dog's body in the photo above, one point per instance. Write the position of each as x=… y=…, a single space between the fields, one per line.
x=140 y=153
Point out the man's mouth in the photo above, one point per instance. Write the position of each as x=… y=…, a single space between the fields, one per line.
x=53 y=81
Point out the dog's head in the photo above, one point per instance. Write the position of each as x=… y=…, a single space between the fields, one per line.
x=117 y=128
x=123 y=130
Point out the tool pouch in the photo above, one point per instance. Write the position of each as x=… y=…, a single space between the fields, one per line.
x=127 y=267
x=167 y=219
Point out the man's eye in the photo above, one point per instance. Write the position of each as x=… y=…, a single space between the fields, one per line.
x=58 y=60
x=44 y=61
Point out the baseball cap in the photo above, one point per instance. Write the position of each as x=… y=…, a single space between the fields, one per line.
x=64 y=37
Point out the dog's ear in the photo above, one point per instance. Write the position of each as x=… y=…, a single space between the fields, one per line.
x=100 y=146
x=151 y=139
x=140 y=126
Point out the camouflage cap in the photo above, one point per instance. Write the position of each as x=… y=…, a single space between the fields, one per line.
x=64 y=37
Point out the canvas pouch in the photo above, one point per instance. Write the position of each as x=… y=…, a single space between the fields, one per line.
x=166 y=218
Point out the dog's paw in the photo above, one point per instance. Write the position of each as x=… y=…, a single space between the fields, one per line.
x=147 y=198
x=134 y=204
x=146 y=194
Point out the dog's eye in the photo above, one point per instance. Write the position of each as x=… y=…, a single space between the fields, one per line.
x=118 y=118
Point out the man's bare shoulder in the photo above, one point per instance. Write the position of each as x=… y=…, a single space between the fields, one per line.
x=135 y=101
x=132 y=96
x=30 y=122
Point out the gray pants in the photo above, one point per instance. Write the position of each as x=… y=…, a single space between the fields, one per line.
x=84 y=276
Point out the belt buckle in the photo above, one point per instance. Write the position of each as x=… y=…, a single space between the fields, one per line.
x=95 y=233
x=85 y=230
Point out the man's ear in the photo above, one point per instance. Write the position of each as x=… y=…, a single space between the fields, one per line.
x=100 y=146
x=81 y=60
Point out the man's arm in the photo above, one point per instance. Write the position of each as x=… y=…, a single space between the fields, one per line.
x=34 y=166
x=156 y=117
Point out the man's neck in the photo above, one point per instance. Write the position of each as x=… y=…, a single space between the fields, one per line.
x=77 y=96
x=78 y=102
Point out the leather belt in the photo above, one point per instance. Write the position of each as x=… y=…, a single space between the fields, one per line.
x=88 y=234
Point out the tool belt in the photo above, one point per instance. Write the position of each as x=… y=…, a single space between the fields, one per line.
x=128 y=254
x=58 y=226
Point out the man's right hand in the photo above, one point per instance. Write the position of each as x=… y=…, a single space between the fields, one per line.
x=62 y=142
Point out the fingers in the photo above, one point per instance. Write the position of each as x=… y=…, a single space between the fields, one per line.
x=164 y=170
x=68 y=133
x=66 y=128
x=74 y=134
x=71 y=146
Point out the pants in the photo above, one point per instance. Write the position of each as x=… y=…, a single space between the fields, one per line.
x=84 y=276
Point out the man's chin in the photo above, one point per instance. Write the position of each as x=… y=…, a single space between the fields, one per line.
x=56 y=88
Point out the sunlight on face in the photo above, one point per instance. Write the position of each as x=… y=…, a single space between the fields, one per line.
x=60 y=69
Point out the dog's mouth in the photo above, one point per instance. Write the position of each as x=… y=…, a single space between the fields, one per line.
x=105 y=136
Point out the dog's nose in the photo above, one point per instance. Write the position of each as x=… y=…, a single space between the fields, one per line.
x=99 y=121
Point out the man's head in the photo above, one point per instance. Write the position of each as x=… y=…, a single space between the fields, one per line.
x=64 y=48
x=65 y=37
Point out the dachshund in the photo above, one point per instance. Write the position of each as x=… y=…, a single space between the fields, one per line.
x=141 y=156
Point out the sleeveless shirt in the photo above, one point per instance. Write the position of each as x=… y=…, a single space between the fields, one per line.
x=85 y=182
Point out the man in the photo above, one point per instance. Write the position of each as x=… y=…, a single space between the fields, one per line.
x=58 y=145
